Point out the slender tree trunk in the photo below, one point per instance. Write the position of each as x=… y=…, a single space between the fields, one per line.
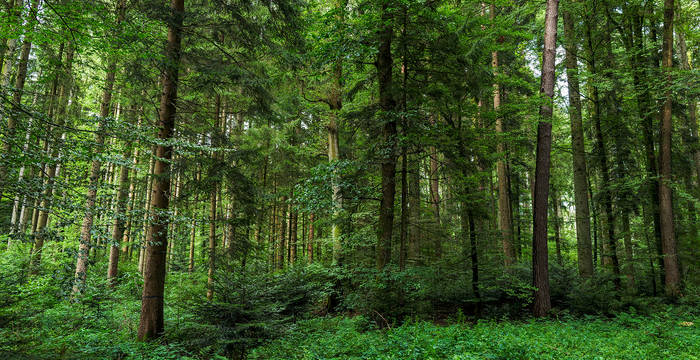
x=644 y=103
x=583 y=222
x=193 y=228
x=403 y=234
x=668 y=240
x=212 y=197
x=212 y=243
x=505 y=216
x=151 y=321
x=147 y=219
x=17 y=92
x=387 y=104
x=609 y=253
x=310 y=240
x=293 y=238
x=127 y=239
x=95 y=169
x=540 y=266
x=42 y=218
x=556 y=201
x=414 y=233
x=629 y=253
x=435 y=193
x=119 y=219
x=282 y=246
x=14 y=9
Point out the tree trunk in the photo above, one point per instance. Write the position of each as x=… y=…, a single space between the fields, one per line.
x=282 y=246
x=18 y=91
x=52 y=169
x=310 y=240
x=214 y=192
x=95 y=169
x=119 y=223
x=505 y=216
x=609 y=253
x=540 y=267
x=583 y=222
x=557 y=225
x=414 y=233
x=151 y=321
x=435 y=193
x=629 y=254
x=387 y=104
x=212 y=243
x=668 y=240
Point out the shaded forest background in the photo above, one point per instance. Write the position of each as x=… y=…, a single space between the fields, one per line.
x=234 y=166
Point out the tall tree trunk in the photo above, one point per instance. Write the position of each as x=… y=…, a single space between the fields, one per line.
x=583 y=222
x=214 y=192
x=293 y=238
x=282 y=246
x=644 y=103
x=414 y=233
x=122 y=193
x=540 y=266
x=41 y=221
x=212 y=243
x=310 y=240
x=505 y=216
x=18 y=91
x=119 y=219
x=95 y=169
x=435 y=192
x=668 y=240
x=609 y=253
x=14 y=9
x=387 y=104
x=556 y=201
x=193 y=228
x=127 y=239
x=151 y=321
x=629 y=254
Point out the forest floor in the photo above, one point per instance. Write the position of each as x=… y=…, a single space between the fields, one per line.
x=39 y=321
x=624 y=337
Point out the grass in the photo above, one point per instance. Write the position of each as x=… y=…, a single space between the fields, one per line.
x=662 y=336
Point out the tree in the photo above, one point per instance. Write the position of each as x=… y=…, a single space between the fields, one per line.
x=671 y=272
x=387 y=104
x=540 y=267
x=151 y=321
x=580 y=174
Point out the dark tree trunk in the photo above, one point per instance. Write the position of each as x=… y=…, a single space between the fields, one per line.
x=540 y=266
x=387 y=104
x=668 y=240
x=151 y=321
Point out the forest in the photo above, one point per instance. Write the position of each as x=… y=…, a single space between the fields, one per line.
x=349 y=179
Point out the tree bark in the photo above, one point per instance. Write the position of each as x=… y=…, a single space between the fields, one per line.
x=310 y=240
x=540 y=266
x=18 y=91
x=387 y=104
x=122 y=194
x=668 y=240
x=151 y=321
x=505 y=215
